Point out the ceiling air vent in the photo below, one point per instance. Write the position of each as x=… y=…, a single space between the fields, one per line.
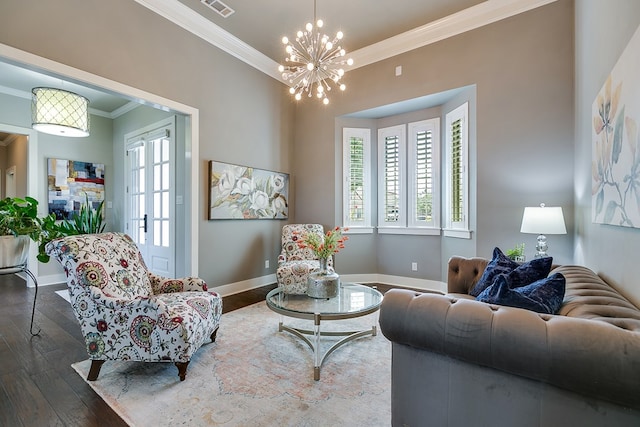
x=219 y=7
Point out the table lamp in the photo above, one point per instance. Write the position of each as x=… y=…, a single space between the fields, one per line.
x=543 y=220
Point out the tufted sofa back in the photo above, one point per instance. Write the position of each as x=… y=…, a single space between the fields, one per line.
x=464 y=273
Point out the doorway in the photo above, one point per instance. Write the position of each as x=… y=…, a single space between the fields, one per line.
x=189 y=127
x=150 y=194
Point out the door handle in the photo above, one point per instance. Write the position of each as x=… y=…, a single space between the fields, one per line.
x=145 y=223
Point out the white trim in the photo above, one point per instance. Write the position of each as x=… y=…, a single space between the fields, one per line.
x=33 y=178
x=52 y=279
x=460 y=234
x=459 y=113
x=367 y=208
x=245 y=285
x=200 y=26
x=468 y=19
x=401 y=281
x=477 y=16
x=400 y=132
x=432 y=125
x=143 y=97
x=359 y=230
x=421 y=231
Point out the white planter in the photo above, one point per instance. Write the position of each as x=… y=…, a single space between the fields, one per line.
x=13 y=250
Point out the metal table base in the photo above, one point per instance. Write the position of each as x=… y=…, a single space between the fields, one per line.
x=314 y=344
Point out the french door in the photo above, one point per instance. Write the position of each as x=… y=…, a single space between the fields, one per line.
x=150 y=196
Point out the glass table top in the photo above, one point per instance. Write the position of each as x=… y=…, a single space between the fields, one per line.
x=353 y=300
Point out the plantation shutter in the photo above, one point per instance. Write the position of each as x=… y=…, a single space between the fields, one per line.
x=424 y=176
x=457 y=206
x=391 y=178
x=356 y=180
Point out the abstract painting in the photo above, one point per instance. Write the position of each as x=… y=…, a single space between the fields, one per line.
x=241 y=192
x=70 y=183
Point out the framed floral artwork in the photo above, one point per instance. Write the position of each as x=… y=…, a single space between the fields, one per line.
x=615 y=168
x=242 y=192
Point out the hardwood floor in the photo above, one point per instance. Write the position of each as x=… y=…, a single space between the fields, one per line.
x=38 y=387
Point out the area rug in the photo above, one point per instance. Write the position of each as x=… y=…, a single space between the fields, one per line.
x=254 y=375
x=64 y=294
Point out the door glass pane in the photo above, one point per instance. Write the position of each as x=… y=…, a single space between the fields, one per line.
x=165 y=150
x=157 y=207
x=165 y=176
x=165 y=204
x=165 y=233
x=157 y=151
x=157 y=235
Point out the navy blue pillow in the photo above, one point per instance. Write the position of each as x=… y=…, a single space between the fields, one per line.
x=542 y=296
x=517 y=274
x=499 y=264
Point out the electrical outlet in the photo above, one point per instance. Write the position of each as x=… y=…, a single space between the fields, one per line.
x=414 y=266
x=266 y=263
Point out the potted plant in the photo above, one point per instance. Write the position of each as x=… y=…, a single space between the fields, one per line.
x=19 y=223
x=87 y=221
x=517 y=253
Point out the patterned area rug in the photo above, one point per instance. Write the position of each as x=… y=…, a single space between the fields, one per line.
x=254 y=375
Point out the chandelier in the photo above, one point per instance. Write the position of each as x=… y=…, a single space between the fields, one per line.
x=314 y=61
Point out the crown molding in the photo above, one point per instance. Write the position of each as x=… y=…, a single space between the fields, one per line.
x=468 y=19
x=198 y=25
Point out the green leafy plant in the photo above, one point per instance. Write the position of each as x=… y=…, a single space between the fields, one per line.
x=516 y=252
x=19 y=217
x=87 y=221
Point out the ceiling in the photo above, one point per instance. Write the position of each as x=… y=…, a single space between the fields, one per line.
x=262 y=24
x=374 y=30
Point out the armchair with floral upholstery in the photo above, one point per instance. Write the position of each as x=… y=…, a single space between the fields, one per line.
x=128 y=313
x=296 y=263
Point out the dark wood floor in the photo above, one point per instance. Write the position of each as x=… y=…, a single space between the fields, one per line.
x=38 y=387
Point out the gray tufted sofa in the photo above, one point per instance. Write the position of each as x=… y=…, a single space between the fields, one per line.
x=460 y=362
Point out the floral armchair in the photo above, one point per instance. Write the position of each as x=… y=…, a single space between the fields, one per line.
x=295 y=263
x=128 y=313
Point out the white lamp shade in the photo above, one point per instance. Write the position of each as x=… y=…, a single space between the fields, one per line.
x=543 y=220
x=59 y=112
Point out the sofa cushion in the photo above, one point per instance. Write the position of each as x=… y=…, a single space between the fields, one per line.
x=542 y=296
x=518 y=274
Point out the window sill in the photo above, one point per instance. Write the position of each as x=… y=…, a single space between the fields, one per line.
x=359 y=230
x=458 y=234
x=418 y=231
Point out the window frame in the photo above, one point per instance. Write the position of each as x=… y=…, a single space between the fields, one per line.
x=398 y=131
x=458 y=229
x=414 y=128
x=367 y=204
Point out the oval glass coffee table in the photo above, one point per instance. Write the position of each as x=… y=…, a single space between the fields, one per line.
x=353 y=301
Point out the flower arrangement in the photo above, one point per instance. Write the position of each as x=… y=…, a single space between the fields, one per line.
x=323 y=248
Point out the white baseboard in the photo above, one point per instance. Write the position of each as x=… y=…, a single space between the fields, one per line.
x=246 y=285
x=405 y=282
x=52 y=279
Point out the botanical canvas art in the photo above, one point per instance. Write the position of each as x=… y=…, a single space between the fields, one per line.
x=71 y=183
x=241 y=192
x=615 y=165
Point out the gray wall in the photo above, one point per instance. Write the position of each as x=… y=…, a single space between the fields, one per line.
x=245 y=116
x=521 y=146
x=603 y=29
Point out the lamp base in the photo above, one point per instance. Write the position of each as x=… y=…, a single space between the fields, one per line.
x=542 y=247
